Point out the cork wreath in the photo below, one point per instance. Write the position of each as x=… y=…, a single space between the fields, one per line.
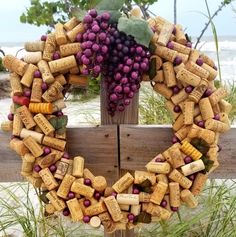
x=83 y=49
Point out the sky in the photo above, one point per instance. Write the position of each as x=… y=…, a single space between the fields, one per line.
x=11 y=30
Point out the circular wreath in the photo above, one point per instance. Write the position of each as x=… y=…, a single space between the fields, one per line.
x=124 y=54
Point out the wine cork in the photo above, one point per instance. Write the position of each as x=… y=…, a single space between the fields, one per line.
x=188 y=77
x=70 y=49
x=162 y=89
x=82 y=189
x=178 y=98
x=224 y=118
x=43 y=123
x=58 y=105
x=182 y=133
x=18 y=146
x=43 y=108
x=113 y=208
x=108 y=224
x=54 y=143
x=46 y=161
x=15 y=84
x=154 y=38
x=69 y=25
x=144 y=197
x=198 y=91
x=53 y=92
x=108 y=191
x=38 y=137
x=157 y=61
x=158 y=167
x=50 y=209
x=75 y=31
x=159 y=192
x=36 y=93
x=193 y=167
x=33 y=57
x=75 y=70
x=95 y=222
x=188 y=112
x=166 y=53
x=36 y=182
x=207 y=60
x=62 y=64
x=179 y=123
x=170 y=106
x=58 y=203
x=48 y=179
x=14 y=64
x=176 y=176
x=177 y=69
x=141 y=176
x=160 y=212
x=212 y=72
x=78 y=167
x=26 y=117
x=75 y=210
x=95 y=209
x=206 y=109
x=188 y=198
x=159 y=76
x=34 y=46
x=197 y=70
x=194 y=55
x=62 y=168
x=180 y=35
x=218 y=95
x=33 y=146
x=45 y=71
x=127 y=199
x=180 y=48
x=123 y=183
x=199 y=183
x=28 y=76
x=61 y=79
x=174 y=194
x=88 y=174
x=165 y=34
x=7 y=126
x=60 y=34
x=169 y=74
x=135 y=209
x=50 y=47
x=216 y=126
x=17 y=125
x=184 y=57
x=99 y=183
x=27 y=163
x=190 y=150
x=124 y=207
x=177 y=160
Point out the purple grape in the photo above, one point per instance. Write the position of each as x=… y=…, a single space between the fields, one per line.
x=134 y=75
x=136 y=66
x=27 y=93
x=37 y=74
x=158 y=159
x=95 y=28
x=85 y=60
x=135 y=191
x=131 y=217
x=187 y=159
x=189 y=44
x=118 y=76
x=144 y=66
x=139 y=50
x=199 y=62
x=174 y=209
x=177 y=109
x=178 y=60
x=46 y=150
x=121 y=107
x=104 y=25
x=37 y=168
x=217 y=117
x=86 y=219
x=66 y=155
x=175 y=89
x=43 y=38
x=175 y=139
x=97 y=69
x=97 y=195
x=170 y=45
x=56 y=56
x=106 y=16
x=91 y=36
x=127 y=101
x=87 y=202
x=71 y=195
x=44 y=86
x=99 y=59
x=10 y=117
x=113 y=97
x=93 y=13
x=88 y=53
x=131 y=94
x=87 y=182
x=88 y=19
x=114 y=194
x=66 y=212
x=118 y=89
x=188 y=89
x=79 y=37
x=126 y=69
x=191 y=177
x=102 y=36
x=78 y=57
x=201 y=124
x=59 y=113
x=104 y=49
x=85 y=71
x=52 y=168
x=126 y=90
x=164 y=203
x=208 y=92
x=95 y=47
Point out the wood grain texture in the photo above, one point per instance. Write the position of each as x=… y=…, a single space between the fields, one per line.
x=140 y=144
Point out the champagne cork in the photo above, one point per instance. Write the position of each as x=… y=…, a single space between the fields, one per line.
x=179 y=68
x=197 y=70
x=180 y=35
x=69 y=25
x=78 y=167
x=165 y=34
x=48 y=179
x=123 y=183
x=136 y=12
x=14 y=64
x=99 y=183
x=193 y=167
x=43 y=123
x=78 y=80
x=194 y=55
x=33 y=57
x=159 y=192
x=179 y=123
x=183 y=132
x=169 y=74
x=58 y=105
x=198 y=91
x=43 y=108
x=206 y=109
x=88 y=174
x=188 y=77
x=162 y=89
x=211 y=70
x=188 y=198
x=95 y=209
x=53 y=92
x=159 y=76
x=18 y=146
x=174 y=194
x=28 y=76
x=58 y=203
x=144 y=197
x=75 y=31
x=177 y=160
x=216 y=126
x=188 y=112
x=26 y=117
x=199 y=183
x=34 y=46
x=95 y=222
x=160 y=212
x=17 y=125
x=75 y=210
x=46 y=161
x=50 y=47
x=62 y=168
x=180 y=48
x=36 y=93
x=158 y=167
x=190 y=150
x=36 y=182
x=178 y=98
x=27 y=163
x=218 y=95
x=141 y=176
x=50 y=209
x=33 y=146
x=54 y=143
x=165 y=53
x=157 y=62
x=38 y=137
x=135 y=209
x=170 y=106
x=124 y=207
x=113 y=208
x=127 y=199
x=7 y=126
x=62 y=64
x=82 y=189
x=176 y=176
x=108 y=224
x=45 y=71
x=70 y=49
x=61 y=79
x=15 y=84
x=60 y=34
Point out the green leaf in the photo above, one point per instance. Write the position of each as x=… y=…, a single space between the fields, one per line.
x=137 y=28
x=152 y=68
x=208 y=163
x=201 y=145
x=145 y=186
x=78 y=13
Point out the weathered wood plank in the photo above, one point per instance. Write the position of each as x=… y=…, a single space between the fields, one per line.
x=139 y=144
x=97 y=144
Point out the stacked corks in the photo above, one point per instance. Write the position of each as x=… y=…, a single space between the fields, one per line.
x=182 y=75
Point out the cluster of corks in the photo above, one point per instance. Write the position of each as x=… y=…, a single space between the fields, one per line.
x=182 y=75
